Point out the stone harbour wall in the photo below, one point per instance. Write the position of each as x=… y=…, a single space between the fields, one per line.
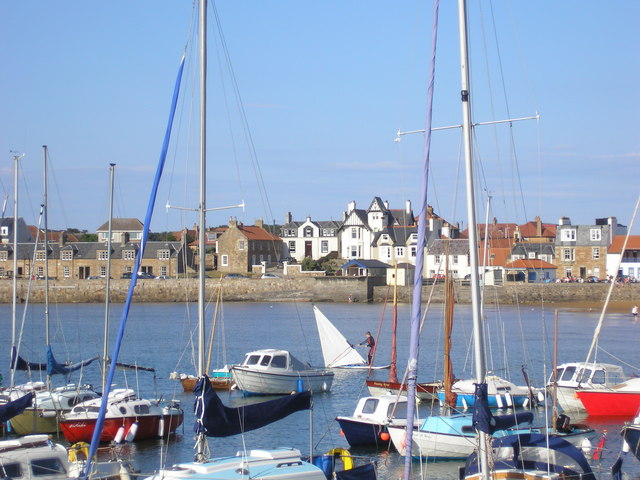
x=311 y=289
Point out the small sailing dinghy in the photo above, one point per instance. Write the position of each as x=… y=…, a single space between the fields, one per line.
x=336 y=349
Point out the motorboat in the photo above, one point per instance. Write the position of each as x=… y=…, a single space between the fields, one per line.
x=127 y=418
x=277 y=372
x=622 y=399
x=368 y=424
x=570 y=377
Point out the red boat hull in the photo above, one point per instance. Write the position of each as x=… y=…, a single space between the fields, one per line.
x=148 y=427
x=610 y=404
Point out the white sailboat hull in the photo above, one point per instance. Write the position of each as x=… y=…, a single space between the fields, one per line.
x=263 y=382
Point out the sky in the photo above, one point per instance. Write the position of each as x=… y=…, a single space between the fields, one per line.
x=307 y=120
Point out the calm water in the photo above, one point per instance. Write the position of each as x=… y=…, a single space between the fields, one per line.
x=160 y=335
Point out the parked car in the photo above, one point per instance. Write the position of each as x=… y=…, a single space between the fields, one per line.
x=269 y=275
x=126 y=275
x=592 y=279
x=145 y=275
x=235 y=275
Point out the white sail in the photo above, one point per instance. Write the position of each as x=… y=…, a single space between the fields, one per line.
x=336 y=350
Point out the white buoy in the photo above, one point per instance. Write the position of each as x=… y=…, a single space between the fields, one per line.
x=124 y=472
x=525 y=404
x=464 y=403
x=161 y=427
x=499 y=400
x=540 y=396
x=585 y=446
x=131 y=434
x=625 y=447
x=119 y=435
x=508 y=399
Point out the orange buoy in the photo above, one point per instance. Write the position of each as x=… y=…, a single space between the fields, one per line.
x=341 y=432
x=384 y=436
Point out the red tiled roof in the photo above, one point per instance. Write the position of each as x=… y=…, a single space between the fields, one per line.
x=257 y=233
x=529 y=264
x=530 y=229
x=618 y=241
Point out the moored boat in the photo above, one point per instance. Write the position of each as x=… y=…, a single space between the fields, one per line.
x=621 y=400
x=127 y=417
x=277 y=372
x=502 y=393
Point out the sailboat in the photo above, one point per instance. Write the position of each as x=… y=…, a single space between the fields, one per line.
x=336 y=350
x=49 y=403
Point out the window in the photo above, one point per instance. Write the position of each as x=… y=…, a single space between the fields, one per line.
x=66 y=272
x=128 y=254
x=414 y=237
x=437 y=259
x=414 y=251
x=103 y=255
x=279 y=361
x=163 y=270
x=41 y=255
x=10 y=470
x=103 y=270
x=399 y=252
x=66 y=255
x=532 y=255
x=354 y=232
x=308 y=232
x=224 y=260
x=324 y=246
x=265 y=360
x=568 y=235
x=595 y=234
x=354 y=251
x=46 y=467
x=164 y=254
x=4 y=231
x=211 y=236
x=4 y=255
x=241 y=245
x=595 y=252
x=128 y=269
x=292 y=247
x=385 y=238
x=385 y=252
x=454 y=259
x=41 y=271
x=328 y=232
x=370 y=405
x=567 y=254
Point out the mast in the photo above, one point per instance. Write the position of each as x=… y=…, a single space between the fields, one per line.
x=14 y=353
x=393 y=371
x=201 y=439
x=45 y=209
x=478 y=336
x=107 y=302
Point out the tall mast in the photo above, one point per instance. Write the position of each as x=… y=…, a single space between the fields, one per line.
x=45 y=209
x=107 y=297
x=478 y=336
x=14 y=353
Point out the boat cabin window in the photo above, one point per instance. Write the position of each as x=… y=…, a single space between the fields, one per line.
x=10 y=470
x=93 y=409
x=46 y=466
x=400 y=410
x=141 y=409
x=598 y=377
x=468 y=429
x=265 y=360
x=370 y=405
x=279 y=361
x=123 y=410
x=568 y=373
x=251 y=359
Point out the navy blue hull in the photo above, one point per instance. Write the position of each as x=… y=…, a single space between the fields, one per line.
x=631 y=435
x=363 y=433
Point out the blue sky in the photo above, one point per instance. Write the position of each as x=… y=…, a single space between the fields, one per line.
x=324 y=85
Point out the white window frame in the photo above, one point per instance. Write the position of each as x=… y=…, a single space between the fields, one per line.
x=66 y=271
x=568 y=235
x=595 y=234
x=164 y=254
x=241 y=245
x=324 y=246
x=292 y=246
x=595 y=253
x=128 y=254
x=4 y=255
x=400 y=252
x=224 y=260
x=103 y=255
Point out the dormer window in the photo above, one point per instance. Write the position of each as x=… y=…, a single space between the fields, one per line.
x=4 y=255
x=66 y=255
x=103 y=255
x=41 y=255
x=164 y=254
x=128 y=254
x=4 y=231
x=308 y=232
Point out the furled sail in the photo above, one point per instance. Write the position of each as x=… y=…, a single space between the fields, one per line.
x=54 y=367
x=11 y=409
x=214 y=419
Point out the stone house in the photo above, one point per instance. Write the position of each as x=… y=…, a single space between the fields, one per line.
x=581 y=250
x=241 y=247
x=82 y=260
x=310 y=238
x=131 y=227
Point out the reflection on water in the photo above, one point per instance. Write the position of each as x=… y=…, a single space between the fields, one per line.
x=162 y=335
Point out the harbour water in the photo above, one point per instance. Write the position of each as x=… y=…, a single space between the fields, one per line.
x=161 y=336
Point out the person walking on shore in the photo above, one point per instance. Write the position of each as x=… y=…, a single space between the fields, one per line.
x=634 y=312
x=371 y=343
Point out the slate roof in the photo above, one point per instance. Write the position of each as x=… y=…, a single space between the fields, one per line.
x=89 y=250
x=122 y=224
x=539 y=248
x=455 y=247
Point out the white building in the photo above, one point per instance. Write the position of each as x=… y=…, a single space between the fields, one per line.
x=309 y=238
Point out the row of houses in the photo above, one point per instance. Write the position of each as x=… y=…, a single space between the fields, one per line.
x=366 y=239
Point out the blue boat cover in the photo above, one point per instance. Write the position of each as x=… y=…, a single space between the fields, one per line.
x=484 y=421
x=363 y=472
x=214 y=419
x=19 y=363
x=54 y=367
x=11 y=409
x=529 y=451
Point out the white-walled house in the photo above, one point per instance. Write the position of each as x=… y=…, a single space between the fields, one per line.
x=456 y=251
x=314 y=239
x=630 y=264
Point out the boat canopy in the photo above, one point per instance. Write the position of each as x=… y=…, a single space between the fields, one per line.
x=11 y=409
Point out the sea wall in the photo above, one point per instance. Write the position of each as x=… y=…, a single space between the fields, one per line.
x=309 y=289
